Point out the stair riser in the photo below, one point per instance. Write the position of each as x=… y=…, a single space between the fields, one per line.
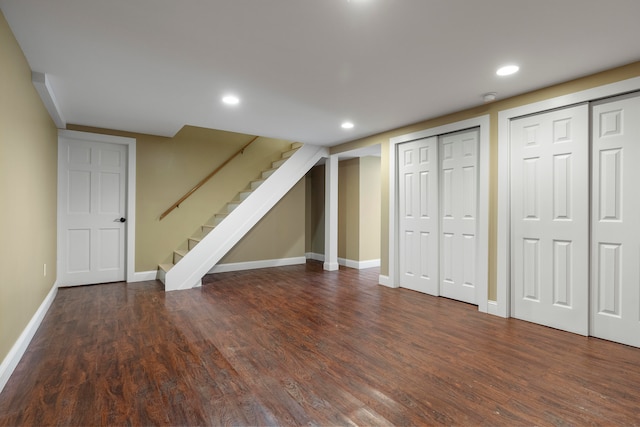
x=267 y=174
x=256 y=184
x=288 y=154
x=278 y=163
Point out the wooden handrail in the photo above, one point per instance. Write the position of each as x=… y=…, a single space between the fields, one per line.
x=205 y=179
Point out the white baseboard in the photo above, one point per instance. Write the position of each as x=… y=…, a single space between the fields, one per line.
x=359 y=264
x=492 y=308
x=386 y=281
x=314 y=256
x=10 y=362
x=143 y=276
x=251 y=265
x=346 y=262
x=330 y=266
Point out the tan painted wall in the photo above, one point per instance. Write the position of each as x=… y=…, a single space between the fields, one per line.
x=315 y=210
x=349 y=209
x=609 y=76
x=358 y=209
x=369 y=208
x=28 y=181
x=169 y=167
x=280 y=234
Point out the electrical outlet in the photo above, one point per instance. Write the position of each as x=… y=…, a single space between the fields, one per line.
x=44 y=270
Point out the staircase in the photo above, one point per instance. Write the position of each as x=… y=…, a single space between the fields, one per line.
x=215 y=238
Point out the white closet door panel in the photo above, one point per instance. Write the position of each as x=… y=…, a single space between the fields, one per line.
x=418 y=205
x=549 y=218
x=458 y=193
x=615 y=289
x=92 y=196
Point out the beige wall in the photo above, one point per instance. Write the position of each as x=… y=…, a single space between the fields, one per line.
x=314 y=232
x=610 y=76
x=349 y=209
x=280 y=234
x=369 y=208
x=358 y=209
x=28 y=181
x=169 y=167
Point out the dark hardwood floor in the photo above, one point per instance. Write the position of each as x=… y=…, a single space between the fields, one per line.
x=297 y=345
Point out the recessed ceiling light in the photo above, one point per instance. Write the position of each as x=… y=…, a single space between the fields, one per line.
x=507 y=70
x=231 y=100
x=347 y=125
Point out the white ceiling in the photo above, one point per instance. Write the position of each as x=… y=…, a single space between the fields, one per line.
x=302 y=67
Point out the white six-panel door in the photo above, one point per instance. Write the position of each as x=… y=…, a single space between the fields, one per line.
x=458 y=212
x=550 y=218
x=418 y=214
x=91 y=184
x=615 y=248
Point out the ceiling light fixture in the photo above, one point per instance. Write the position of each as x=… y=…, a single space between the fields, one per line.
x=231 y=100
x=507 y=70
x=347 y=125
x=489 y=97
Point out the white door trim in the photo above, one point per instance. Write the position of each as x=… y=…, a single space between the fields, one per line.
x=481 y=122
x=130 y=143
x=502 y=306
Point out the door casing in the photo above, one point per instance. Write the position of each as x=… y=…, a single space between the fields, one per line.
x=482 y=243
x=130 y=143
x=502 y=305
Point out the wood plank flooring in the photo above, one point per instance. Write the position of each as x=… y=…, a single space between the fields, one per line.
x=297 y=345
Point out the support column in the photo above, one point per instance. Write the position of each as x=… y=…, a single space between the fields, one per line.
x=331 y=214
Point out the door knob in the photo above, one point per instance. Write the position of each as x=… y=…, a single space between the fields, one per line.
x=122 y=219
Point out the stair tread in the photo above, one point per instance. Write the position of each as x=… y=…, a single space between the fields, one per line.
x=181 y=252
x=166 y=267
x=289 y=153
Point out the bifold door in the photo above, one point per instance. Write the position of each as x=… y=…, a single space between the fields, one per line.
x=437 y=183
x=615 y=248
x=418 y=206
x=558 y=278
x=550 y=218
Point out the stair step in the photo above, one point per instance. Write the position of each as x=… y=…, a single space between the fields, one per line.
x=289 y=153
x=232 y=205
x=255 y=184
x=266 y=174
x=206 y=229
x=296 y=145
x=193 y=241
x=178 y=255
x=217 y=218
x=244 y=194
x=165 y=267
x=278 y=163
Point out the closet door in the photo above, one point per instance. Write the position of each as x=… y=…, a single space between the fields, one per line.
x=458 y=207
x=615 y=293
x=418 y=213
x=550 y=218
